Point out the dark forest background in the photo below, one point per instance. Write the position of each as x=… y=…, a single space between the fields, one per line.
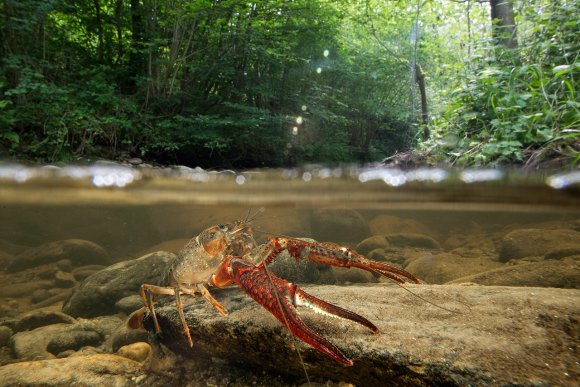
x=223 y=83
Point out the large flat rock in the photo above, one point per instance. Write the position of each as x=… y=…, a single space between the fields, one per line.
x=524 y=336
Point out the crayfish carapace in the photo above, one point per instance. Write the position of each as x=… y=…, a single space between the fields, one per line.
x=227 y=254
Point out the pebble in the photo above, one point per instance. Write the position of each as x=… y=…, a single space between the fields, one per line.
x=64 y=280
x=136 y=351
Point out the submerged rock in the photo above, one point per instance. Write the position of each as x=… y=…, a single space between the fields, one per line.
x=72 y=340
x=25 y=288
x=556 y=274
x=93 y=370
x=98 y=293
x=387 y=224
x=338 y=225
x=413 y=240
x=372 y=243
x=536 y=242
x=40 y=318
x=137 y=351
x=78 y=251
x=82 y=272
x=501 y=335
x=440 y=268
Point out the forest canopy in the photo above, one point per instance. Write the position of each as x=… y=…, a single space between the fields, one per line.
x=229 y=83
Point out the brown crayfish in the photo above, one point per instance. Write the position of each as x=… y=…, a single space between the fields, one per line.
x=227 y=254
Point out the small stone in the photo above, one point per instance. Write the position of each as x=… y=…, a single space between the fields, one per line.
x=344 y=276
x=444 y=267
x=564 y=252
x=339 y=225
x=66 y=353
x=64 y=265
x=533 y=242
x=9 y=308
x=25 y=289
x=40 y=318
x=387 y=224
x=413 y=240
x=123 y=337
x=59 y=295
x=5 y=259
x=372 y=243
x=31 y=345
x=5 y=336
x=129 y=304
x=72 y=340
x=64 y=280
x=136 y=351
x=48 y=273
x=41 y=294
x=77 y=251
x=553 y=273
x=81 y=273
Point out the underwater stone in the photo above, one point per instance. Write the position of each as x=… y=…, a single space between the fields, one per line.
x=79 y=251
x=563 y=252
x=92 y=370
x=80 y=273
x=98 y=293
x=5 y=336
x=64 y=280
x=495 y=338
x=72 y=340
x=40 y=318
x=5 y=259
x=342 y=226
x=59 y=295
x=41 y=294
x=442 y=267
x=64 y=265
x=372 y=243
x=412 y=240
x=536 y=242
x=124 y=336
x=31 y=345
x=24 y=289
x=137 y=351
x=563 y=273
x=387 y=224
x=129 y=304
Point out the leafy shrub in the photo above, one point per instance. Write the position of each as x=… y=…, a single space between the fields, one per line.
x=502 y=112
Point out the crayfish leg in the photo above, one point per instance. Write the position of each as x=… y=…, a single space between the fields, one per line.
x=179 y=306
x=146 y=294
x=215 y=303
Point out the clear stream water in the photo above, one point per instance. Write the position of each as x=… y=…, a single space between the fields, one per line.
x=132 y=210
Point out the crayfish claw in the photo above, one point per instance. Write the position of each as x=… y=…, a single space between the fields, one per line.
x=304 y=299
x=336 y=255
x=280 y=298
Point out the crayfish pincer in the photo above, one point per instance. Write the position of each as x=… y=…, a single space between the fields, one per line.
x=227 y=254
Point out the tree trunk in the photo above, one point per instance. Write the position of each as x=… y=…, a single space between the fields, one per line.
x=119 y=26
x=503 y=23
x=420 y=79
x=99 y=23
x=136 y=62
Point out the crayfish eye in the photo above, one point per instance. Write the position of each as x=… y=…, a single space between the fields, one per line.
x=223 y=227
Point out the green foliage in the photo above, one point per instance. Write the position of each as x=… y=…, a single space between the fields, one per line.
x=203 y=83
x=516 y=103
x=272 y=83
